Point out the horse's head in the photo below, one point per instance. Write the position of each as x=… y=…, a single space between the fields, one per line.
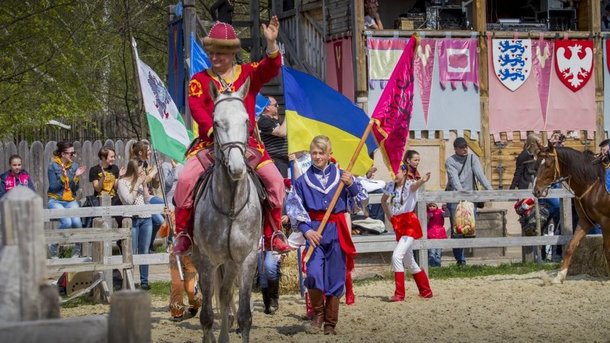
x=547 y=167
x=231 y=123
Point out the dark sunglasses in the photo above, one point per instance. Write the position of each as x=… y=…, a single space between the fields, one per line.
x=72 y=153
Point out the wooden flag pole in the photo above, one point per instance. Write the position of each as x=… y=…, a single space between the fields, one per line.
x=333 y=202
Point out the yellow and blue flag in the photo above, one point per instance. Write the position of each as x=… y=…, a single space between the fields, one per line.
x=313 y=108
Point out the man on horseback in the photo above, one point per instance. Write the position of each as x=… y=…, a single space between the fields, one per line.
x=222 y=44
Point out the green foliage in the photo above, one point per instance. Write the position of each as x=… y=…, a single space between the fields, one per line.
x=70 y=60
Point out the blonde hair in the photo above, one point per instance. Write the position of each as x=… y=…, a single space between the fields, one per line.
x=321 y=142
x=532 y=143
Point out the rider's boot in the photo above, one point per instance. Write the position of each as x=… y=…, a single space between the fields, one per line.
x=275 y=242
x=184 y=230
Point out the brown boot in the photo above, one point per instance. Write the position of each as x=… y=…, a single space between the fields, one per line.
x=331 y=315
x=317 y=303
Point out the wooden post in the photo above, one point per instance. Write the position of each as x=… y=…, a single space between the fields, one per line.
x=127 y=251
x=105 y=200
x=595 y=25
x=360 y=53
x=189 y=20
x=480 y=24
x=23 y=235
x=255 y=31
x=423 y=220
x=566 y=219
x=129 y=320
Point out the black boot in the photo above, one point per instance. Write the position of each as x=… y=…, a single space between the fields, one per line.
x=274 y=296
x=266 y=300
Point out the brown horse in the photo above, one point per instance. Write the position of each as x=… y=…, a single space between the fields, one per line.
x=585 y=177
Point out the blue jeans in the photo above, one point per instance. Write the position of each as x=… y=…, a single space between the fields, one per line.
x=65 y=223
x=141 y=232
x=434 y=257
x=268 y=268
x=458 y=253
x=157 y=221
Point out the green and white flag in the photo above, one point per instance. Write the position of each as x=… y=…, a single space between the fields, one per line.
x=167 y=130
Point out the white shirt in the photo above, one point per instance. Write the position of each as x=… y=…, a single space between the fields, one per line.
x=402 y=200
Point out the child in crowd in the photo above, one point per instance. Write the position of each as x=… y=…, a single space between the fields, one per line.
x=15 y=176
x=436 y=230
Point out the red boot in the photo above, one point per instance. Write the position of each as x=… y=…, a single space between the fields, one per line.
x=350 y=297
x=274 y=241
x=399 y=282
x=421 y=280
x=184 y=231
x=308 y=307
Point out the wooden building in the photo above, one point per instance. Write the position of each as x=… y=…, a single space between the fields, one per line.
x=309 y=25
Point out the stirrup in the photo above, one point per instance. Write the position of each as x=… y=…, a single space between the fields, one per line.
x=189 y=251
x=274 y=235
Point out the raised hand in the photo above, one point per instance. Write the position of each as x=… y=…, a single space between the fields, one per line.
x=426 y=177
x=80 y=171
x=271 y=31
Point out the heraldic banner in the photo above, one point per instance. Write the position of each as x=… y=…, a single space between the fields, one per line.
x=339 y=66
x=436 y=106
x=556 y=96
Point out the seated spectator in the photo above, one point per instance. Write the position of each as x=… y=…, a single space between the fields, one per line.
x=171 y=171
x=15 y=176
x=143 y=151
x=104 y=176
x=133 y=190
x=64 y=176
x=371 y=15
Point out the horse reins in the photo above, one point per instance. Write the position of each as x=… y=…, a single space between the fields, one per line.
x=558 y=178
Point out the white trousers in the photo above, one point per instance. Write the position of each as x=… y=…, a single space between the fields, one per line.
x=403 y=256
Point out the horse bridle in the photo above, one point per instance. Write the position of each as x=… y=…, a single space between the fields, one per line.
x=225 y=149
x=557 y=178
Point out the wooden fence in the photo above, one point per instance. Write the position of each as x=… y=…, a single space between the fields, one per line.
x=30 y=307
x=385 y=243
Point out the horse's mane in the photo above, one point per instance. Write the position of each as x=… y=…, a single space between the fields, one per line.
x=579 y=165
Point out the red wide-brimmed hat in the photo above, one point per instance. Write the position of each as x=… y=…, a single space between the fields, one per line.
x=222 y=39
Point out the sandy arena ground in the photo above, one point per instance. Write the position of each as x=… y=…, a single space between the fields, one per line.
x=504 y=308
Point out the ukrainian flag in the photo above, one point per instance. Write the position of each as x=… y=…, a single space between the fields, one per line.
x=313 y=108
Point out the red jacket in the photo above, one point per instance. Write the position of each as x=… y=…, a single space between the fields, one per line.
x=202 y=106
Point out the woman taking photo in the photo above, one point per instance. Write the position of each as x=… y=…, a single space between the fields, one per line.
x=402 y=193
x=133 y=190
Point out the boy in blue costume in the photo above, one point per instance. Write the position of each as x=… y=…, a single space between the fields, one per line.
x=334 y=250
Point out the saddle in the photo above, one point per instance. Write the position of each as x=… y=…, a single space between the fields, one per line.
x=207 y=159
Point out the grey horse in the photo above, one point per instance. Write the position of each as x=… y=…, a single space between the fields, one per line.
x=228 y=219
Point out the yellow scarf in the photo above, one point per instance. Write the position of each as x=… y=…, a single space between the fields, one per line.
x=67 y=196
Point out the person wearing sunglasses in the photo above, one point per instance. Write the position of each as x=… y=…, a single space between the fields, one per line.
x=64 y=177
x=273 y=134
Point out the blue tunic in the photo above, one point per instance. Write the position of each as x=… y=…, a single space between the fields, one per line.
x=326 y=266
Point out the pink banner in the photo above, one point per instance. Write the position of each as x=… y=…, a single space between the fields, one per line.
x=458 y=61
x=424 y=65
x=392 y=114
x=542 y=63
x=339 y=68
x=522 y=110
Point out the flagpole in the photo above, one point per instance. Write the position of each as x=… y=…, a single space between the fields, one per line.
x=152 y=142
x=335 y=198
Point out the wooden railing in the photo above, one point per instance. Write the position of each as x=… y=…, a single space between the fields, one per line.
x=303 y=40
x=387 y=242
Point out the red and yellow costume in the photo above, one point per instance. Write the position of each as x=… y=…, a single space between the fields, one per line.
x=201 y=105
